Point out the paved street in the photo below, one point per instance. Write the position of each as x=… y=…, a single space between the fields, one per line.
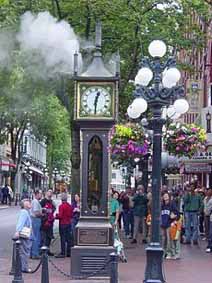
x=194 y=267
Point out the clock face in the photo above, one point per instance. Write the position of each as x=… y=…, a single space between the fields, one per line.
x=96 y=101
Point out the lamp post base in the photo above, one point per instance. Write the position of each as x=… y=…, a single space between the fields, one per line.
x=154 y=268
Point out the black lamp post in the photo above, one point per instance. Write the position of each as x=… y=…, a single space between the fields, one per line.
x=55 y=172
x=156 y=88
x=208 y=120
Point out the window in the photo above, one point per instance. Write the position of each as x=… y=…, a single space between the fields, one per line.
x=95 y=158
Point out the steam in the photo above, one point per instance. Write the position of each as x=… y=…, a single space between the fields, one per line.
x=7 y=46
x=42 y=37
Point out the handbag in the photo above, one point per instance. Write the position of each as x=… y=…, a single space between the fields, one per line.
x=25 y=232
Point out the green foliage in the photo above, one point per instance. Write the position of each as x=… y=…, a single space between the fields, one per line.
x=52 y=121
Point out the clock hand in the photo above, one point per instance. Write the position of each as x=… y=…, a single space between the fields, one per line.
x=96 y=101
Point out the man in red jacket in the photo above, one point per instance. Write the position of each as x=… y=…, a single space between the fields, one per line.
x=65 y=216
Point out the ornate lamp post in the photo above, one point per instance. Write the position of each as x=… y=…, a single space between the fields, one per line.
x=55 y=172
x=45 y=174
x=156 y=88
x=208 y=120
x=28 y=175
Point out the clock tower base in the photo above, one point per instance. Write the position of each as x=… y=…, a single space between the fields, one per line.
x=91 y=254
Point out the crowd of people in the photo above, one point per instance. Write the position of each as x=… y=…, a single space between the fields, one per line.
x=36 y=221
x=186 y=215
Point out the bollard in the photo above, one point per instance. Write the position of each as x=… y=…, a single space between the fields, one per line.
x=12 y=271
x=45 y=268
x=114 y=268
x=18 y=274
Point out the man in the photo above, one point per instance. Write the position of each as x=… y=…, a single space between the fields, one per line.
x=140 y=212
x=36 y=214
x=5 y=194
x=192 y=206
x=127 y=210
x=47 y=220
x=65 y=217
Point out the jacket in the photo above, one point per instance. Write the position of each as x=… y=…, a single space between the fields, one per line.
x=166 y=210
x=65 y=213
x=140 y=205
x=192 y=202
x=208 y=209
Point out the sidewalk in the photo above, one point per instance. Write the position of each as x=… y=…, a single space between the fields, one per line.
x=193 y=267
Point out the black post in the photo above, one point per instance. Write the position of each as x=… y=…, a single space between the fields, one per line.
x=12 y=271
x=114 y=268
x=18 y=274
x=154 y=271
x=45 y=267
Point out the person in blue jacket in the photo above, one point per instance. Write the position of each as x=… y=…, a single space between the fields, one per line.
x=168 y=208
x=24 y=221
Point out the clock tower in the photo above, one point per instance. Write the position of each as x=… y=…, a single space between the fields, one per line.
x=95 y=112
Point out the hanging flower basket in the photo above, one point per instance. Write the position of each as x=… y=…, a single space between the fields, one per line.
x=184 y=139
x=127 y=142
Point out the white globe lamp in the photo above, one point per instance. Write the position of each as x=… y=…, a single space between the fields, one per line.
x=139 y=105
x=144 y=76
x=157 y=48
x=171 y=77
x=181 y=105
x=132 y=113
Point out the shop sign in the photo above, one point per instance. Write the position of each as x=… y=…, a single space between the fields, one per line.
x=197 y=168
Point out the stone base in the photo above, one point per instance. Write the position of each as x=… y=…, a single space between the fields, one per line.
x=154 y=265
x=86 y=260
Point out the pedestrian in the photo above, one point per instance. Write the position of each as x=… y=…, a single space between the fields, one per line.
x=65 y=218
x=36 y=215
x=169 y=214
x=206 y=214
x=76 y=211
x=208 y=210
x=140 y=213
x=192 y=207
x=24 y=233
x=114 y=208
x=10 y=195
x=127 y=212
x=47 y=220
x=5 y=194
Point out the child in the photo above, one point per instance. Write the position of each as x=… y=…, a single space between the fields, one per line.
x=175 y=231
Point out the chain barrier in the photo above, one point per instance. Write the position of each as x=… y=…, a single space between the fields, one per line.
x=82 y=277
x=38 y=266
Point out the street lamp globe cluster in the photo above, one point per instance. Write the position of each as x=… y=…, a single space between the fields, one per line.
x=163 y=77
x=156 y=88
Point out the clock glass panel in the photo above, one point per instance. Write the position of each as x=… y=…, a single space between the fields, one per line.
x=96 y=101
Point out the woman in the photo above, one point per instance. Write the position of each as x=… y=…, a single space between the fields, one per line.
x=23 y=232
x=169 y=215
x=114 y=208
x=76 y=211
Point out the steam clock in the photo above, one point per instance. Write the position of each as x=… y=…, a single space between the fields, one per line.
x=96 y=102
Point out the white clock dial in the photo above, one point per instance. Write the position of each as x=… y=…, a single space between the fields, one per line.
x=96 y=100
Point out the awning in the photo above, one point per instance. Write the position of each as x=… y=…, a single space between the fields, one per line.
x=35 y=169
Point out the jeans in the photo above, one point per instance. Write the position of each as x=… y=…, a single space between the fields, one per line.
x=191 y=225
x=128 y=219
x=36 y=224
x=65 y=239
x=210 y=236
x=25 y=247
x=139 y=221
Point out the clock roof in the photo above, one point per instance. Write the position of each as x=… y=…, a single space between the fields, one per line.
x=97 y=67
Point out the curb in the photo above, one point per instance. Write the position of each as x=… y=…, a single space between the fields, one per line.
x=4 y=207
